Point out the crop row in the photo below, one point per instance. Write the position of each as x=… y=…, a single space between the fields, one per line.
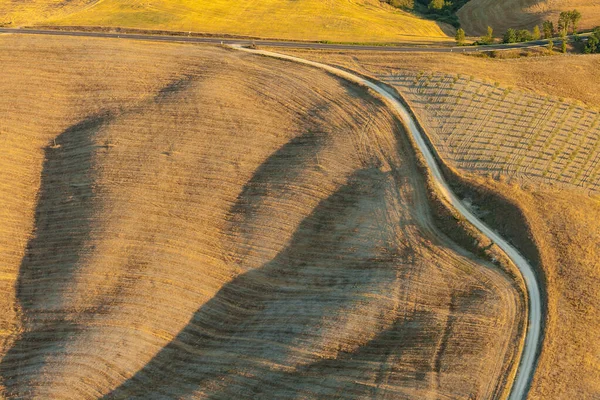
x=486 y=128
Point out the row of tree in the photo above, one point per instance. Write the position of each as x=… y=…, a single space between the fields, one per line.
x=567 y=22
x=522 y=35
x=593 y=42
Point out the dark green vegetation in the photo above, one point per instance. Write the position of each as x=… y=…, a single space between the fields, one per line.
x=593 y=43
x=567 y=23
x=438 y=10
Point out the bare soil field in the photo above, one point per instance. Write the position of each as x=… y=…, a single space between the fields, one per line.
x=194 y=222
x=553 y=219
x=477 y=15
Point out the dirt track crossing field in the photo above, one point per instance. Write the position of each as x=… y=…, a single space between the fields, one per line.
x=557 y=216
x=493 y=123
x=534 y=327
x=213 y=224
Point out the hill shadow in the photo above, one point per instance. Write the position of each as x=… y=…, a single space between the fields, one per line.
x=240 y=328
x=57 y=249
x=62 y=218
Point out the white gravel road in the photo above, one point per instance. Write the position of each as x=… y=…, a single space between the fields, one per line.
x=534 y=327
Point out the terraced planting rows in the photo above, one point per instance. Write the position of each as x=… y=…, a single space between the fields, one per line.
x=489 y=129
x=190 y=222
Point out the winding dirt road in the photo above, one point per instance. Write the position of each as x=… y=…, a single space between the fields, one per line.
x=534 y=327
x=181 y=38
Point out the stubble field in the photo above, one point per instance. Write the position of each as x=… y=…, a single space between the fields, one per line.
x=181 y=221
x=336 y=20
x=524 y=134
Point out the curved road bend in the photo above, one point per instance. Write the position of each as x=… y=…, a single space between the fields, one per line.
x=274 y=43
x=533 y=335
x=528 y=358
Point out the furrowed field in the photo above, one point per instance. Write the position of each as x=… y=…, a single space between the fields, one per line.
x=531 y=160
x=188 y=221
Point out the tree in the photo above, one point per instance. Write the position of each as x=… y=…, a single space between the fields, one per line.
x=548 y=28
x=563 y=47
x=536 y=33
x=436 y=4
x=564 y=20
x=460 y=36
x=510 y=36
x=575 y=17
x=489 y=36
x=593 y=43
x=550 y=45
x=523 y=35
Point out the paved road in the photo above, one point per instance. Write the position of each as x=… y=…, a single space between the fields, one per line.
x=534 y=327
x=275 y=43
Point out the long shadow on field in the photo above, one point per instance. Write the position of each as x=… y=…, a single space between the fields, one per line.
x=62 y=224
x=55 y=253
x=272 y=180
x=245 y=337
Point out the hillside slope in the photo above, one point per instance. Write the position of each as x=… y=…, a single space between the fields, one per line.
x=190 y=222
x=477 y=15
x=569 y=240
x=337 y=20
x=484 y=125
x=553 y=218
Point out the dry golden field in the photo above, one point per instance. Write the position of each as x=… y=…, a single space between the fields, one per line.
x=562 y=233
x=486 y=123
x=566 y=229
x=193 y=222
x=554 y=221
x=477 y=15
x=336 y=20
